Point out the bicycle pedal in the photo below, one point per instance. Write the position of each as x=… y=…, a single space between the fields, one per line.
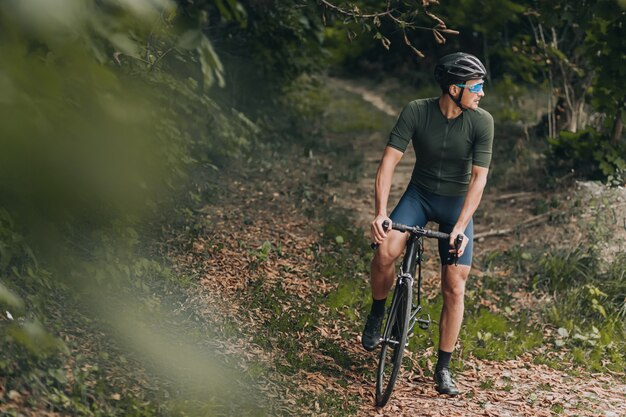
x=424 y=323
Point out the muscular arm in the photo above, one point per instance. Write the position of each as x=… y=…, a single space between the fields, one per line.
x=474 y=194
x=384 y=176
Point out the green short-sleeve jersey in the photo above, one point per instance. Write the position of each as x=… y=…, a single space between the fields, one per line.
x=445 y=149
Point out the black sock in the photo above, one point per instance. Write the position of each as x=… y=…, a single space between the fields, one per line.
x=443 y=360
x=378 y=307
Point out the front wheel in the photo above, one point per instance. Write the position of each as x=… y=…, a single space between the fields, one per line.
x=393 y=343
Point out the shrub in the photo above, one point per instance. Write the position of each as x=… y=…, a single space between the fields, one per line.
x=589 y=155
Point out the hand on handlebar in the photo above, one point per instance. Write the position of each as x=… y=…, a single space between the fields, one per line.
x=378 y=231
x=458 y=248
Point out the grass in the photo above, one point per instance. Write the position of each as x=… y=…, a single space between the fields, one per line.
x=352 y=115
x=487 y=383
x=585 y=303
x=488 y=335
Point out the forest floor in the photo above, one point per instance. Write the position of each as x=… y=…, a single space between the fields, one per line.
x=280 y=264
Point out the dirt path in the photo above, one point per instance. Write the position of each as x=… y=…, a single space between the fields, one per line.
x=359 y=199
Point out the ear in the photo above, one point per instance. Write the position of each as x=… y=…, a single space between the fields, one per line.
x=453 y=89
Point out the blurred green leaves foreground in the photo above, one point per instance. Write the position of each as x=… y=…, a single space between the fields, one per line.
x=104 y=110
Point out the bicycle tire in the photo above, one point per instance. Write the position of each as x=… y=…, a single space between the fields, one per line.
x=390 y=358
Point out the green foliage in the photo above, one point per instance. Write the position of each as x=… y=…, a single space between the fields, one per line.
x=586 y=305
x=392 y=28
x=95 y=137
x=605 y=39
x=104 y=115
x=304 y=100
x=487 y=383
x=589 y=154
x=342 y=51
x=493 y=336
x=344 y=260
x=576 y=51
x=585 y=288
x=583 y=302
x=512 y=101
x=262 y=252
x=560 y=270
x=351 y=295
x=264 y=48
x=485 y=34
x=597 y=348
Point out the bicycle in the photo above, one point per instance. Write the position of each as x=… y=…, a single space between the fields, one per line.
x=402 y=315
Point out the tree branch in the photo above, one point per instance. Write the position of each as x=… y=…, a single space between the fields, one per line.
x=396 y=17
x=358 y=14
x=531 y=221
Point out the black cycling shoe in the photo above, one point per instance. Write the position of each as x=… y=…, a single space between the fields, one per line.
x=445 y=384
x=371 y=333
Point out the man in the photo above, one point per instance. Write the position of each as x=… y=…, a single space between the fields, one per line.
x=452 y=138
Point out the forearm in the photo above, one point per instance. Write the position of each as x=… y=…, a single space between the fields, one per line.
x=472 y=200
x=384 y=177
x=382 y=188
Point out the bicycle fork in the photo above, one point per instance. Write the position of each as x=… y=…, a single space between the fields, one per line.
x=422 y=321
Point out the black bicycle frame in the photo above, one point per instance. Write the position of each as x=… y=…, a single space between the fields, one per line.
x=413 y=260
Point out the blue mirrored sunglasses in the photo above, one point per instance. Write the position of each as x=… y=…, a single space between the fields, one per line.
x=476 y=88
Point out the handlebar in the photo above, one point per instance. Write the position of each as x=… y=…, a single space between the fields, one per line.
x=420 y=231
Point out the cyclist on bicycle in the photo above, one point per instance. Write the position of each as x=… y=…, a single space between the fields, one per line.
x=452 y=138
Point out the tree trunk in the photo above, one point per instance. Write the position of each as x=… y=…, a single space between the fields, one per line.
x=573 y=116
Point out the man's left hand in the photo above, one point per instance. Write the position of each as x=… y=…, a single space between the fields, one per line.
x=455 y=232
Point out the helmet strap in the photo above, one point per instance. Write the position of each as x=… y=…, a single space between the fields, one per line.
x=457 y=101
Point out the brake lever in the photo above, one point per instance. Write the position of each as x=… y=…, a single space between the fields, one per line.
x=457 y=246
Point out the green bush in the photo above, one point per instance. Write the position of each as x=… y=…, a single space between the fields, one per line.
x=588 y=306
x=589 y=155
x=582 y=285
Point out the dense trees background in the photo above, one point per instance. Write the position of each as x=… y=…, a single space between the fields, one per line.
x=109 y=109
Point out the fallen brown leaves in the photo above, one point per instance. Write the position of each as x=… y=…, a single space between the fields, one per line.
x=231 y=269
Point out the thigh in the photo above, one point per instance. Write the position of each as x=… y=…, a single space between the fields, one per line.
x=391 y=248
x=444 y=246
x=410 y=210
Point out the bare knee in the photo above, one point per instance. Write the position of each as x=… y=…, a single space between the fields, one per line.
x=454 y=293
x=383 y=259
x=390 y=250
x=453 y=284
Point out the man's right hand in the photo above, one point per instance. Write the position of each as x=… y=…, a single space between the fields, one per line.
x=378 y=232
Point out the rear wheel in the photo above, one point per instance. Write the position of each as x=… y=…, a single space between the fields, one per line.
x=394 y=340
